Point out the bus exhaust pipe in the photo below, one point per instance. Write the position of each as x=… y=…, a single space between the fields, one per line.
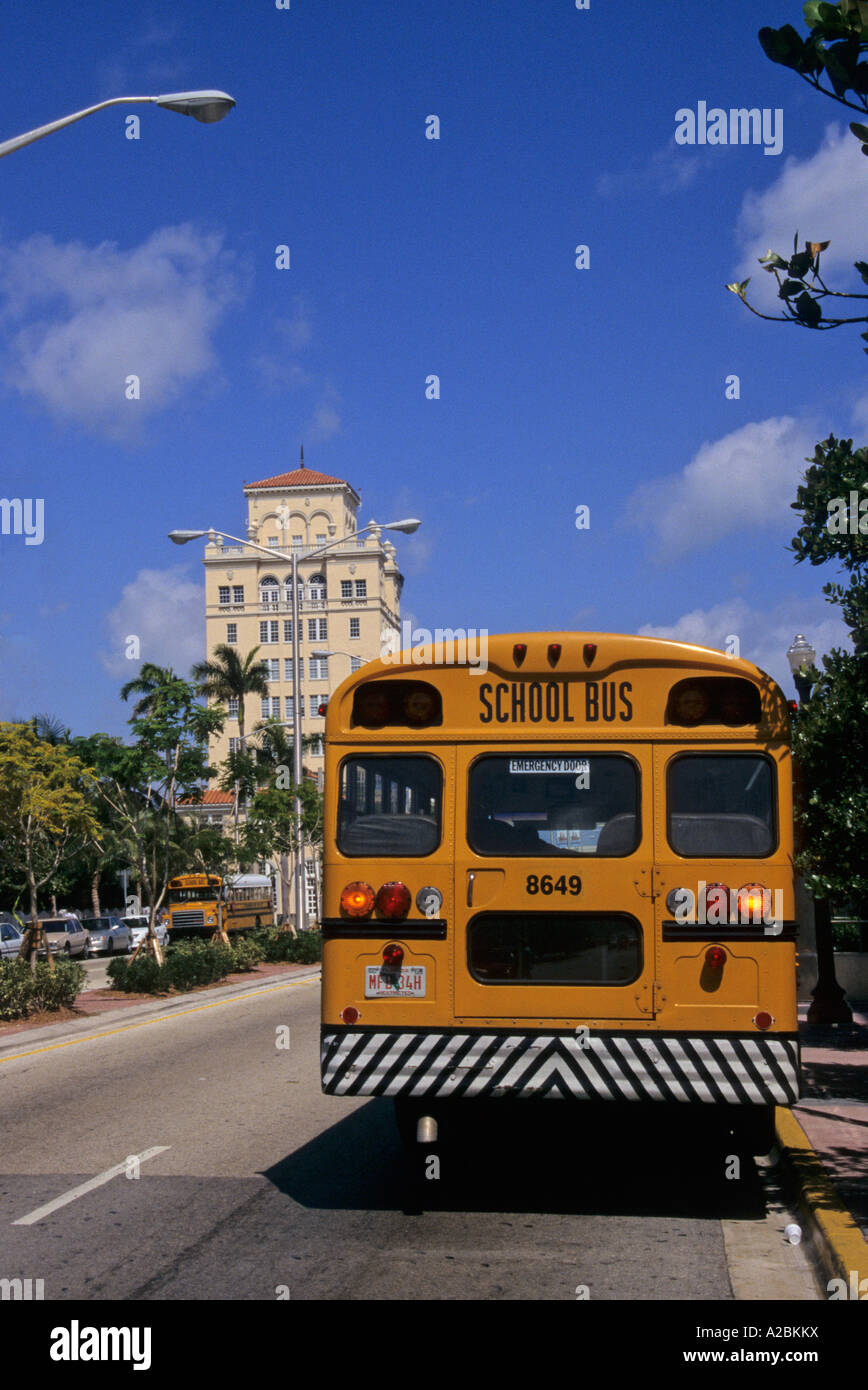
x=426 y=1130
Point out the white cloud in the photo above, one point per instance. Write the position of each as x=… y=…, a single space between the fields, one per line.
x=325 y=421
x=744 y=481
x=165 y=610
x=668 y=171
x=823 y=199
x=79 y=320
x=764 y=633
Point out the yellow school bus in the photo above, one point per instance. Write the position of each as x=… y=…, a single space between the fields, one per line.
x=566 y=875
x=245 y=902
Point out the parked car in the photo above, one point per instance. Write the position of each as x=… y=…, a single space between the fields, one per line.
x=66 y=936
x=11 y=936
x=109 y=934
x=139 y=928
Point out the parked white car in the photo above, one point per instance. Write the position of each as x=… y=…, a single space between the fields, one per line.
x=139 y=929
x=11 y=936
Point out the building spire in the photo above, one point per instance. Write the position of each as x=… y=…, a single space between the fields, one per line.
x=301 y=465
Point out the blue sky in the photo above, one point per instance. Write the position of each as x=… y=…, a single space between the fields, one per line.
x=560 y=386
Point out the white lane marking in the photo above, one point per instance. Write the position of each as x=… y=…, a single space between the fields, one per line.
x=98 y=1181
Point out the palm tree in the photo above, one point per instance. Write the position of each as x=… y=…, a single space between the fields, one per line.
x=228 y=677
x=149 y=684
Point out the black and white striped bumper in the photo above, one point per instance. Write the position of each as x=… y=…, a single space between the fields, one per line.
x=735 y=1069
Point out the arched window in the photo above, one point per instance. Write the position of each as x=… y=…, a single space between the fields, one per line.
x=316 y=586
x=269 y=590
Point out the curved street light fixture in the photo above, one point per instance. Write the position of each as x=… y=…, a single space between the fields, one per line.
x=206 y=106
x=407 y=525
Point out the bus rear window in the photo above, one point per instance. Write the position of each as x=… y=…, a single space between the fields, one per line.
x=549 y=804
x=554 y=948
x=390 y=806
x=722 y=805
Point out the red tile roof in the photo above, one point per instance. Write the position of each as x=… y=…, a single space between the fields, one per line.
x=210 y=798
x=299 y=477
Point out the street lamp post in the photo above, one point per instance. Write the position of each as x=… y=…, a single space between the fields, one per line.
x=181 y=538
x=208 y=106
x=828 y=1004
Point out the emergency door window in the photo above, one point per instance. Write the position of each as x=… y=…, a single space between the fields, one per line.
x=547 y=804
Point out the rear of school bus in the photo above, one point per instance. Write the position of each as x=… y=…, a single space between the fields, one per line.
x=567 y=875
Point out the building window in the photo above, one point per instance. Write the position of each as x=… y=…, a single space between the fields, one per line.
x=361 y=588
x=315 y=702
x=223 y=593
x=317 y=747
x=271 y=707
x=232 y=706
x=231 y=634
x=317 y=630
x=238 y=593
x=319 y=668
x=273 y=665
x=288 y=673
x=297 y=543
x=269 y=590
x=311 y=894
x=355 y=627
x=268 y=630
x=317 y=586
x=235 y=745
x=360 y=542
x=290 y=706
x=346 y=588
x=356 y=663
x=322 y=540
x=273 y=542
x=287 y=630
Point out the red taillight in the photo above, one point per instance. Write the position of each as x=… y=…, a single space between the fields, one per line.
x=754 y=904
x=763 y=1020
x=715 y=957
x=393 y=957
x=519 y=652
x=349 y=1014
x=393 y=900
x=554 y=653
x=357 y=900
x=589 y=651
x=321 y=708
x=717 y=904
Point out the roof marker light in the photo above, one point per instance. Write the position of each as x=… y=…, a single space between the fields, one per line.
x=554 y=653
x=589 y=651
x=519 y=652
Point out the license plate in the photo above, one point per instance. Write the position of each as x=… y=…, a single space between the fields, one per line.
x=408 y=983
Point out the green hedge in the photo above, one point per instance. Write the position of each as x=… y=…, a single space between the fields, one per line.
x=24 y=991
x=304 y=949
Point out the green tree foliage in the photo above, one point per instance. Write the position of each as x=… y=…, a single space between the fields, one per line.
x=45 y=815
x=830 y=734
x=830 y=61
x=228 y=676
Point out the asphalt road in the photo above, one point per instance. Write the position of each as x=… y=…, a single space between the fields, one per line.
x=260 y=1187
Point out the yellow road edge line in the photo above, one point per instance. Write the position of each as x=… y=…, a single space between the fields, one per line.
x=840 y=1242
x=163 y=1018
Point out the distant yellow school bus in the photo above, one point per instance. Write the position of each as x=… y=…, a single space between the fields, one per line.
x=567 y=875
x=245 y=902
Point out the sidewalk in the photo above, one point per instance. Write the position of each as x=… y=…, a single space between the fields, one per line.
x=832 y=1116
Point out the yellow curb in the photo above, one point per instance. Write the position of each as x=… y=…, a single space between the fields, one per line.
x=161 y=1018
x=838 y=1241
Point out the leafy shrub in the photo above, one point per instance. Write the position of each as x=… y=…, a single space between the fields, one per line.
x=279 y=945
x=24 y=991
x=140 y=976
x=248 y=954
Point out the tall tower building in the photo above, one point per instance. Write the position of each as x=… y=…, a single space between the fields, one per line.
x=349 y=597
